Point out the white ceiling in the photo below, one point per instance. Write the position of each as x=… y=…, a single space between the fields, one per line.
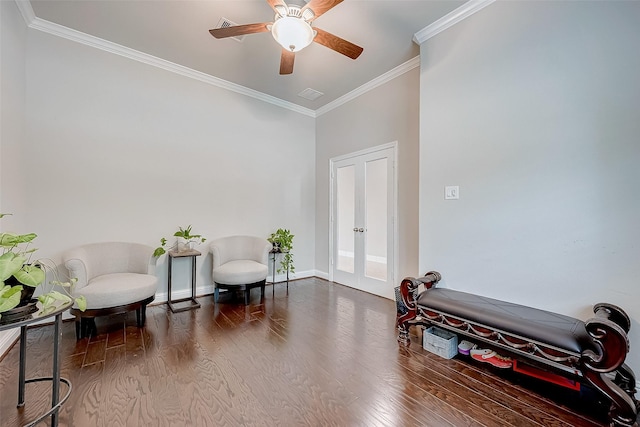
x=177 y=31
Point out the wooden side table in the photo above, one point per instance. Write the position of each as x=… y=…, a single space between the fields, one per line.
x=273 y=253
x=56 y=379
x=191 y=253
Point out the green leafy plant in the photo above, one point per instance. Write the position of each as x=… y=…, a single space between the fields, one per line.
x=18 y=268
x=184 y=233
x=282 y=241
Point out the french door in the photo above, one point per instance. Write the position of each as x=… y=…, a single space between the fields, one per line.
x=363 y=220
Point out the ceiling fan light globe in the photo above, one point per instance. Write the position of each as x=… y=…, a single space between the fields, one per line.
x=292 y=33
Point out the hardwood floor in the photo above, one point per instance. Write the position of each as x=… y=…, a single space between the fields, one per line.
x=323 y=355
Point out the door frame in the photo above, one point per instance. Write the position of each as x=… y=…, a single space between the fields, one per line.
x=394 y=201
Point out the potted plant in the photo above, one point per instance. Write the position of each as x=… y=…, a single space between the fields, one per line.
x=182 y=233
x=282 y=241
x=21 y=275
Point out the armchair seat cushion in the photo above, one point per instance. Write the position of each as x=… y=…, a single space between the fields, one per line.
x=240 y=272
x=111 y=290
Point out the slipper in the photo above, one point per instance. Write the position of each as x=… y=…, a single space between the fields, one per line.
x=465 y=347
x=490 y=356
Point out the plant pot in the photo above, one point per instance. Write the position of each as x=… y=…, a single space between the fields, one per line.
x=27 y=291
x=26 y=294
x=20 y=312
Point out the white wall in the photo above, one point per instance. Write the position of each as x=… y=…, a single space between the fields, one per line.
x=119 y=150
x=385 y=114
x=533 y=109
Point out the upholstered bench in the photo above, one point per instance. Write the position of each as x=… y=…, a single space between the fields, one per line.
x=593 y=351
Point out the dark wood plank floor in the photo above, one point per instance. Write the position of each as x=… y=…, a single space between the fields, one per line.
x=321 y=355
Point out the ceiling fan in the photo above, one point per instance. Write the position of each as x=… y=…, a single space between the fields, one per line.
x=292 y=30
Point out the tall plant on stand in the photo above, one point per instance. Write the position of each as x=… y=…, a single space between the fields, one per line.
x=282 y=241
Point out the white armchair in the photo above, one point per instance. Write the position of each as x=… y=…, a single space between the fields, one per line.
x=240 y=263
x=114 y=277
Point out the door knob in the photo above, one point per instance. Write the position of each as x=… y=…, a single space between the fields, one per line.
x=361 y=230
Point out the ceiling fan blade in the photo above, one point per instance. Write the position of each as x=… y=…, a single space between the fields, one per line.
x=286 y=61
x=239 y=30
x=336 y=43
x=320 y=6
x=279 y=6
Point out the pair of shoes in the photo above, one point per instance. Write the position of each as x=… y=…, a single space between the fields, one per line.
x=490 y=356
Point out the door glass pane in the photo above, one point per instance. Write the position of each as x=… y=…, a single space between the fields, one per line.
x=346 y=205
x=376 y=219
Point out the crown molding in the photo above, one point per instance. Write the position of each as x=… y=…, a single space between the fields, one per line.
x=24 y=6
x=107 y=46
x=450 y=19
x=464 y=11
x=378 y=81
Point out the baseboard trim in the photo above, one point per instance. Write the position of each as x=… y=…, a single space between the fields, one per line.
x=321 y=274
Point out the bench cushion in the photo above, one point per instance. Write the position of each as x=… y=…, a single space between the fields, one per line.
x=554 y=329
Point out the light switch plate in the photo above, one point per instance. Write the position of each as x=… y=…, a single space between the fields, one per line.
x=451 y=192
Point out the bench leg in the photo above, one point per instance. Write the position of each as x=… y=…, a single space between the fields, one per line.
x=403 y=336
x=406 y=312
x=623 y=410
x=614 y=345
x=626 y=379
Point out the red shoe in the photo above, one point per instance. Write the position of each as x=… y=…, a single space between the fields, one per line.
x=490 y=356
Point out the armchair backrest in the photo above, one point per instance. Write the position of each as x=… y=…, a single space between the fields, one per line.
x=234 y=248
x=96 y=259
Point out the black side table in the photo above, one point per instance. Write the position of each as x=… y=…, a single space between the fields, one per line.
x=55 y=379
x=273 y=253
x=191 y=253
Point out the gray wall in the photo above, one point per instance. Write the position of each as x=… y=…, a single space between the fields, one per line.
x=385 y=114
x=533 y=109
x=116 y=150
x=13 y=38
x=13 y=41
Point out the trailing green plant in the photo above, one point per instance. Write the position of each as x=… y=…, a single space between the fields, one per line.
x=16 y=262
x=184 y=233
x=282 y=241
